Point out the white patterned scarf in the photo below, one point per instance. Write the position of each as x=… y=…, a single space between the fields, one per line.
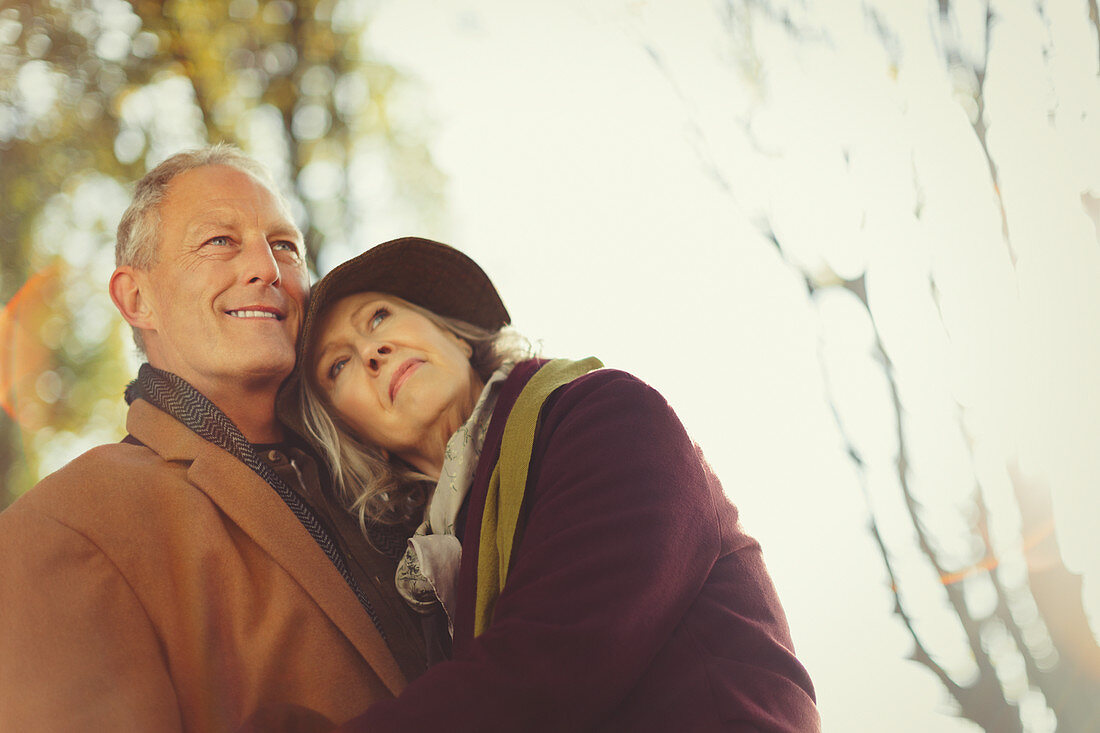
x=427 y=575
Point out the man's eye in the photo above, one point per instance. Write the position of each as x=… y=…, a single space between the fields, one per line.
x=284 y=246
x=222 y=241
x=379 y=315
x=336 y=368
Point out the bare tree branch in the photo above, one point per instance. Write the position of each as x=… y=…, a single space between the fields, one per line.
x=991 y=565
x=982 y=701
x=699 y=138
x=1094 y=17
x=953 y=57
x=1075 y=681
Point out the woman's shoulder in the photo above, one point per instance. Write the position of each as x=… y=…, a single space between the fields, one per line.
x=597 y=391
x=600 y=378
x=612 y=418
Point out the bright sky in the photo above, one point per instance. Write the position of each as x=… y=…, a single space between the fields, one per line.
x=615 y=200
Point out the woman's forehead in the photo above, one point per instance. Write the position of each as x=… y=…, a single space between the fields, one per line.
x=338 y=318
x=347 y=307
x=348 y=304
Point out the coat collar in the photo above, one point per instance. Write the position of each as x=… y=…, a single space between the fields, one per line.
x=254 y=506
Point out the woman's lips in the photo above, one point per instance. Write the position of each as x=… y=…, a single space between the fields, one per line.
x=402 y=373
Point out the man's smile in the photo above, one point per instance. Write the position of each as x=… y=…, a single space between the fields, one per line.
x=257 y=311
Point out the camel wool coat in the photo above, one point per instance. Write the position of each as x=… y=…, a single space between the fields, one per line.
x=166 y=587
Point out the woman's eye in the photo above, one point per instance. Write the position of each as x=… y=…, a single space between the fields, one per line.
x=336 y=368
x=219 y=241
x=379 y=315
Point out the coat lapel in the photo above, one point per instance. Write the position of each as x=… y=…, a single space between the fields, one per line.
x=255 y=507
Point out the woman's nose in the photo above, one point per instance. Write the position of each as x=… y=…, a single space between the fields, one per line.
x=377 y=356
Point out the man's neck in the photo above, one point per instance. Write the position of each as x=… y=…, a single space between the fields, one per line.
x=250 y=405
x=253 y=412
x=259 y=428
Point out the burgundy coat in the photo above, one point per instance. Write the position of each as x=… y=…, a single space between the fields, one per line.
x=635 y=602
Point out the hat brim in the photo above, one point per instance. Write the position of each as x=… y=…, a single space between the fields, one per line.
x=426 y=273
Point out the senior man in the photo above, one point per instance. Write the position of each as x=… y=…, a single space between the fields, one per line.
x=198 y=571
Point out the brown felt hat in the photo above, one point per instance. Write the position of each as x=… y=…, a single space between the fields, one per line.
x=426 y=273
x=423 y=272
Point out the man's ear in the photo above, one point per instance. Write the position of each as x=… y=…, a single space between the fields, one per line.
x=126 y=288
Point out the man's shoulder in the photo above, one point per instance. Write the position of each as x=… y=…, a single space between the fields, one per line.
x=112 y=464
x=119 y=479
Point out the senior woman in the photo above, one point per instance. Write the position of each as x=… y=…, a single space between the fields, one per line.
x=574 y=542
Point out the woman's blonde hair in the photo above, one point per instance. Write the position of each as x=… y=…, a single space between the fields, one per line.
x=372 y=486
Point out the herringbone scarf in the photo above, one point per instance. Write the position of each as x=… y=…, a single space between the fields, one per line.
x=179 y=399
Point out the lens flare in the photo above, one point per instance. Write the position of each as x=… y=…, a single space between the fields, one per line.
x=24 y=356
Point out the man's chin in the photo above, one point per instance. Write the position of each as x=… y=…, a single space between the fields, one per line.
x=272 y=371
x=265 y=366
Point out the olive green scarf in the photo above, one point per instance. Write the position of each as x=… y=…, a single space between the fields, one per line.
x=500 y=525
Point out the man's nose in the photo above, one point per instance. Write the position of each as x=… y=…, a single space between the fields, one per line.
x=260 y=264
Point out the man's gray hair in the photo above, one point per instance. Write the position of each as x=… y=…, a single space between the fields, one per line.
x=138 y=238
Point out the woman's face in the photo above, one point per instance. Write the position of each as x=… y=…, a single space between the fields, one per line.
x=395 y=378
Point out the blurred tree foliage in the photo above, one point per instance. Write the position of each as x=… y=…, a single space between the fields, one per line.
x=92 y=94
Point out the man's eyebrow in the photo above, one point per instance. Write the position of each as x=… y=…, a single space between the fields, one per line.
x=210 y=220
x=291 y=230
x=230 y=221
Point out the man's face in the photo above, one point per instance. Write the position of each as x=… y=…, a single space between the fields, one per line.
x=227 y=293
